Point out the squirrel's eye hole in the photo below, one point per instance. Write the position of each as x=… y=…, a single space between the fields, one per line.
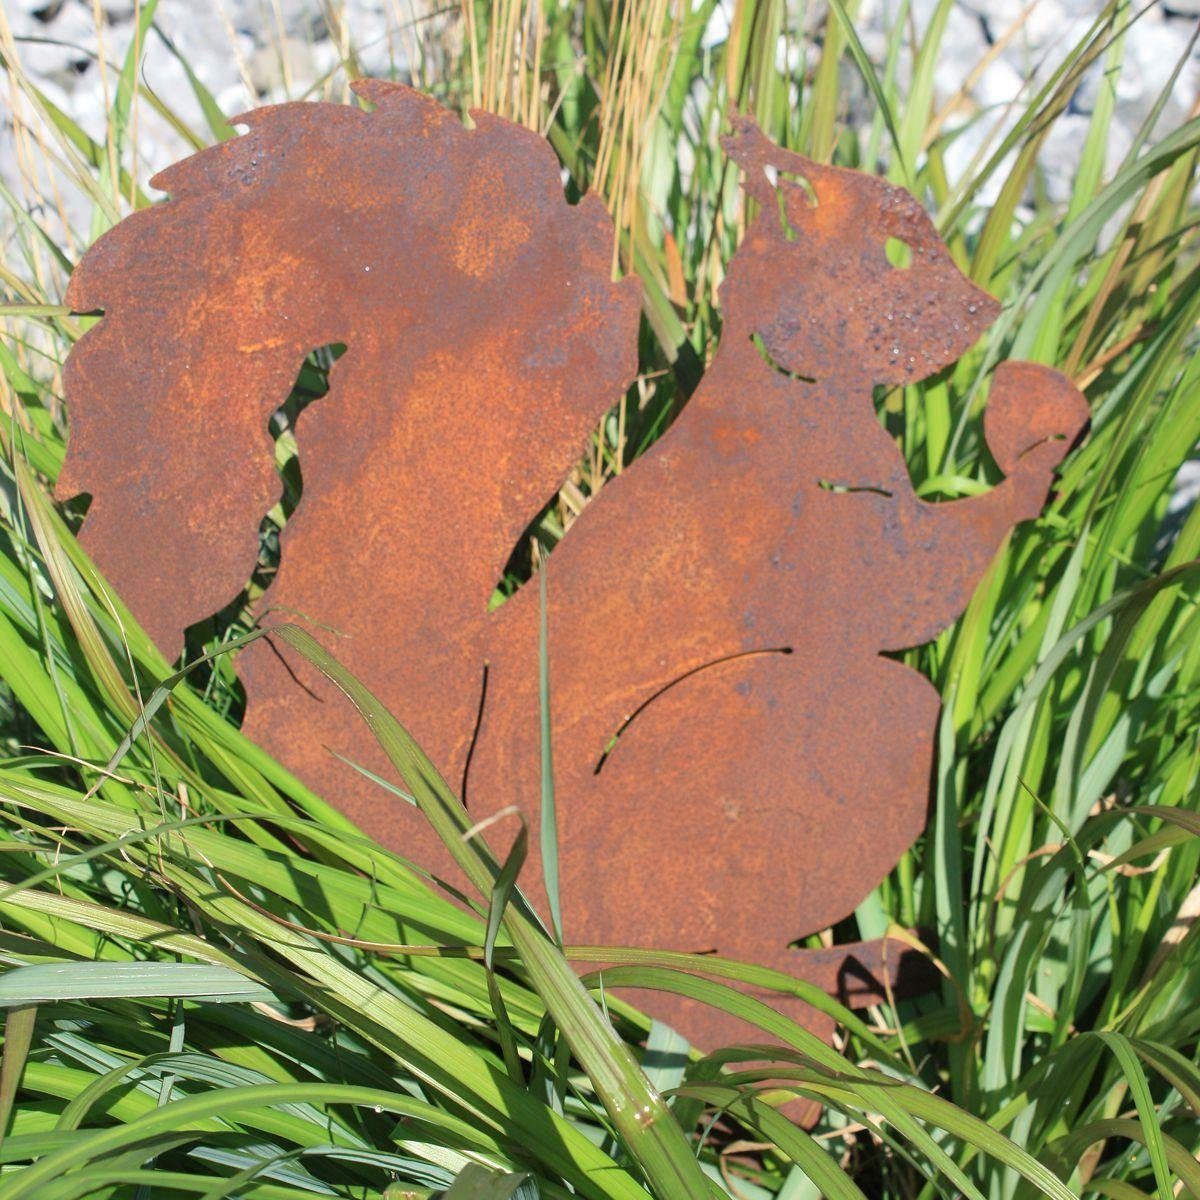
x=899 y=253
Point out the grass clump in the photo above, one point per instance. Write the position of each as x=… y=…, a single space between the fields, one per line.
x=216 y=987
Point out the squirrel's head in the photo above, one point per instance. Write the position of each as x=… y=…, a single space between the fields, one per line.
x=842 y=274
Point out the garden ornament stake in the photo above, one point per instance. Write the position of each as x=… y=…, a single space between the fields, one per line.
x=737 y=763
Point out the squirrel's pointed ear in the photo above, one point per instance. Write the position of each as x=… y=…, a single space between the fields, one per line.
x=763 y=161
x=752 y=150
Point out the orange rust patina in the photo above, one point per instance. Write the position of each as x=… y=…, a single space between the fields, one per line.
x=720 y=610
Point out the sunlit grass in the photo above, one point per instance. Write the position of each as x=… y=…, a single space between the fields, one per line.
x=316 y=1018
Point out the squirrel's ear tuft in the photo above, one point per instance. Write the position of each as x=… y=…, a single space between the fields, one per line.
x=763 y=161
x=752 y=150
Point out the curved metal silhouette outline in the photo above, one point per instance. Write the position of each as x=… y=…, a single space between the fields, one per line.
x=749 y=804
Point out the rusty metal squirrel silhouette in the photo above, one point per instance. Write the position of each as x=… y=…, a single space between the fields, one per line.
x=736 y=763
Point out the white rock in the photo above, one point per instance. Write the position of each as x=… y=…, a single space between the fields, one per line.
x=60 y=48
x=85 y=105
x=1152 y=52
x=378 y=46
x=22 y=23
x=999 y=85
x=286 y=68
x=872 y=22
x=1187 y=485
x=161 y=145
x=214 y=51
x=267 y=20
x=234 y=100
x=718 y=28
x=962 y=150
x=962 y=48
x=1060 y=155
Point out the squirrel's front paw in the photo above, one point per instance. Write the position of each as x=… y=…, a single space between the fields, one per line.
x=1033 y=416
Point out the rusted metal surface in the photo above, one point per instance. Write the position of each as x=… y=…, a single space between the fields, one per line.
x=736 y=764
x=484 y=335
